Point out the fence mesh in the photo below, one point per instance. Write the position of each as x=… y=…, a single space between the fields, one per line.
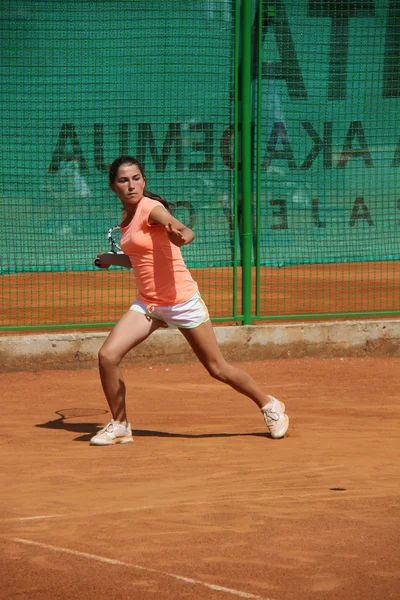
x=84 y=82
x=327 y=90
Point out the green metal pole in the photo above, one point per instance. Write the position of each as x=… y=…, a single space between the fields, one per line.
x=258 y=158
x=247 y=234
x=235 y=219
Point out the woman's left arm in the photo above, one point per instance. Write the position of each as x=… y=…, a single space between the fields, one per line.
x=178 y=233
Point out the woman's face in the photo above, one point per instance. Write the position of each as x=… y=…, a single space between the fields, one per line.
x=129 y=185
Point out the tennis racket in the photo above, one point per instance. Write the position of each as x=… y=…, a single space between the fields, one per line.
x=114 y=238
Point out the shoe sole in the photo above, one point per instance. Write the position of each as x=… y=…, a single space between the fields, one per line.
x=120 y=440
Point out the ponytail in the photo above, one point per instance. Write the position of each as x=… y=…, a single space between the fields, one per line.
x=154 y=196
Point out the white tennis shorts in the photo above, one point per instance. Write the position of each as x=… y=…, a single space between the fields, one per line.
x=187 y=315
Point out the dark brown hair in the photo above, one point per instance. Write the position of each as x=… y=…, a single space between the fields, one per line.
x=131 y=160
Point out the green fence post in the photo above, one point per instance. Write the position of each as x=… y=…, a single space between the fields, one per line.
x=247 y=233
x=258 y=117
x=235 y=217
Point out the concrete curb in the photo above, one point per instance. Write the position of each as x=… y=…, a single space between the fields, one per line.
x=285 y=340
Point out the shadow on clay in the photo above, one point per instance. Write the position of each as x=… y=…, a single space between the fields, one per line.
x=88 y=429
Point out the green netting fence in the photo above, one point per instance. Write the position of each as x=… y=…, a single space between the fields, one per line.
x=270 y=126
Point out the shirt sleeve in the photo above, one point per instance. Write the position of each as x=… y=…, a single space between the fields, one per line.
x=146 y=210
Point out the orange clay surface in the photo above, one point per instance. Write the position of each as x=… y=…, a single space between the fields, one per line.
x=204 y=504
x=79 y=298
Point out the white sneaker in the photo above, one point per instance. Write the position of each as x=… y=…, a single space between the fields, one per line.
x=113 y=433
x=276 y=419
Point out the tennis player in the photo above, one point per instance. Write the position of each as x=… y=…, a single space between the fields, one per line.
x=167 y=296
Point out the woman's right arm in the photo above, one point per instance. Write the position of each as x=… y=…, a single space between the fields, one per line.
x=108 y=259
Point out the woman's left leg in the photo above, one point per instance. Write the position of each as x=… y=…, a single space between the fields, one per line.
x=204 y=344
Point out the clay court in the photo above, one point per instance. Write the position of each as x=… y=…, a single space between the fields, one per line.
x=204 y=504
x=51 y=299
x=275 y=136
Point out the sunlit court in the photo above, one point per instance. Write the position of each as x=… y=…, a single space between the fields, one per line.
x=204 y=504
x=199 y=300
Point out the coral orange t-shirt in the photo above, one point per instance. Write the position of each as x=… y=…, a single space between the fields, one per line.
x=161 y=275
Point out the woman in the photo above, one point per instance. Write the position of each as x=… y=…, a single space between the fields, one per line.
x=167 y=295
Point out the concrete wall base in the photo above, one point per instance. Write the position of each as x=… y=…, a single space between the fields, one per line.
x=241 y=343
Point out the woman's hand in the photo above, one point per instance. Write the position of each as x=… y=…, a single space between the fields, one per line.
x=177 y=232
x=103 y=260
x=108 y=259
x=175 y=235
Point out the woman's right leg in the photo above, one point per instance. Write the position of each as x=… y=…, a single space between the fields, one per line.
x=132 y=329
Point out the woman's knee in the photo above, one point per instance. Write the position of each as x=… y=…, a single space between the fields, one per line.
x=219 y=370
x=108 y=358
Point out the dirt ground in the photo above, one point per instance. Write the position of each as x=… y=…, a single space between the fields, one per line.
x=204 y=504
x=49 y=299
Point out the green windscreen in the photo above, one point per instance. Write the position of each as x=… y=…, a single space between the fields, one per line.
x=327 y=133
x=83 y=82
